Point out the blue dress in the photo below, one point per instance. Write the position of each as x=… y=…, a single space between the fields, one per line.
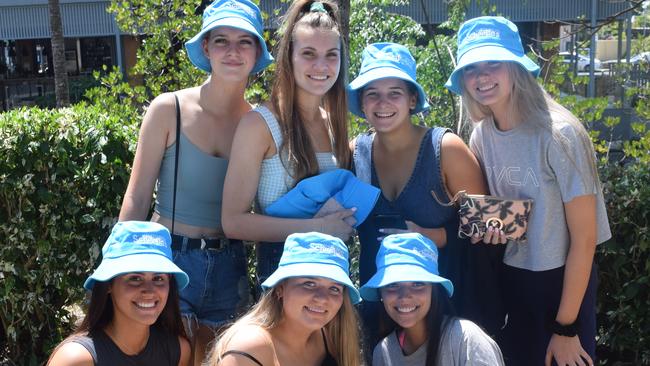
x=458 y=261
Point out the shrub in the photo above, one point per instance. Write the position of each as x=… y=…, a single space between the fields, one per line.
x=624 y=261
x=62 y=176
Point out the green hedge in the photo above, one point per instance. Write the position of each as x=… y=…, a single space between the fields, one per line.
x=62 y=176
x=624 y=267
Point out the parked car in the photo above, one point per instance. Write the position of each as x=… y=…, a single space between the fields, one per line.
x=582 y=61
x=641 y=57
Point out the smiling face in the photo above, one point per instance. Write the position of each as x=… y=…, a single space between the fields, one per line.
x=407 y=303
x=387 y=103
x=316 y=59
x=489 y=84
x=232 y=52
x=139 y=297
x=311 y=301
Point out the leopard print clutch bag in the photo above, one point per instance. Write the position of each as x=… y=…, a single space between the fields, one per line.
x=478 y=212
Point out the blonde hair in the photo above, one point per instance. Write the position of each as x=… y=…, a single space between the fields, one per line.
x=341 y=332
x=296 y=144
x=531 y=104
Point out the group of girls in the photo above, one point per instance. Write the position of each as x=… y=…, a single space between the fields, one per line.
x=217 y=163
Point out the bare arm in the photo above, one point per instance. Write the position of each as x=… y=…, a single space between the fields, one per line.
x=252 y=142
x=152 y=141
x=580 y=215
x=460 y=172
x=186 y=352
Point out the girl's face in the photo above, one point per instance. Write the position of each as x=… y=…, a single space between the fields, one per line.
x=311 y=301
x=387 y=103
x=489 y=83
x=140 y=297
x=232 y=52
x=407 y=303
x=316 y=59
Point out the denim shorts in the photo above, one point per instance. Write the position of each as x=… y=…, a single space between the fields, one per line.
x=218 y=290
x=268 y=258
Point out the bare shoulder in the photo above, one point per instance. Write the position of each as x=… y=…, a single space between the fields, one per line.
x=451 y=141
x=254 y=341
x=71 y=354
x=185 y=351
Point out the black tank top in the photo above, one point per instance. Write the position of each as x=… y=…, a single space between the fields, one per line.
x=328 y=361
x=161 y=349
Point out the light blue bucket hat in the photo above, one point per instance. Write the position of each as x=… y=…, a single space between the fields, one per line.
x=408 y=257
x=382 y=61
x=137 y=246
x=241 y=14
x=488 y=38
x=314 y=255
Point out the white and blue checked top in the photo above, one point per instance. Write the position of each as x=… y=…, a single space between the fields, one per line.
x=275 y=179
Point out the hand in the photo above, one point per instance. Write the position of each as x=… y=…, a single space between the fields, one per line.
x=566 y=351
x=339 y=224
x=491 y=237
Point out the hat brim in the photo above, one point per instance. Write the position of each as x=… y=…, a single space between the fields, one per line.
x=385 y=72
x=195 y=50
x=401 y=273
x=488 y=53
x=113 y=267
x=329 y=271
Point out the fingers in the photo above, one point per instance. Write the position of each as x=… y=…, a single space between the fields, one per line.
x=586 y=357
x=493 y=236
x=346 y=213
x=548 y=358
x=475 y=238
x=390 y=230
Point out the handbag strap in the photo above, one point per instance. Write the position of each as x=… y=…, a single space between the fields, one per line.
x=177 y=152
x=453 y=201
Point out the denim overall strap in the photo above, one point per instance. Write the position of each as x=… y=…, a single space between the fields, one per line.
x=362 y=157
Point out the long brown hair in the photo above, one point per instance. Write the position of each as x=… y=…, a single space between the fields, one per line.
x=296 y=144
x=342 y=331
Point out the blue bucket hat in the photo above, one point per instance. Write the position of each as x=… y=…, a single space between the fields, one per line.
x=382 y=61
x=408 y=257
x=137 y=246
x=314 y=255
x=310 y=194
x=488 y=38
x=241 y=14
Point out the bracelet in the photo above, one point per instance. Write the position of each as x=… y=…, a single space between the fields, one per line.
x=568 y=330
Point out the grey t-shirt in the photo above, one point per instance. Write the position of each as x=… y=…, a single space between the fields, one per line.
x=526 y=162
x=462 y=343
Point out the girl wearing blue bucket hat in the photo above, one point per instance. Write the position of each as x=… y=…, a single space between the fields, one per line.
x=531 y=147
x=417 y=319
x=183 y=152
x=133 y=316
x=409 y=162
x=300 y=132
x=305 y=317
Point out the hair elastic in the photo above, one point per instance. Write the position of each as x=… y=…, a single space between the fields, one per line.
x=318 y=7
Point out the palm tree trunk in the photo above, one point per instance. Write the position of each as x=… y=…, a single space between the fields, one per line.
x=58 y=55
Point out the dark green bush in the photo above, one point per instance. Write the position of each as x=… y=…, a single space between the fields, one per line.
x=624 y=261
x=62 y=175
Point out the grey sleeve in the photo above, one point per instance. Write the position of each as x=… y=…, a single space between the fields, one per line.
x=377 y=358
x=466 y=344
x=570 y=164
